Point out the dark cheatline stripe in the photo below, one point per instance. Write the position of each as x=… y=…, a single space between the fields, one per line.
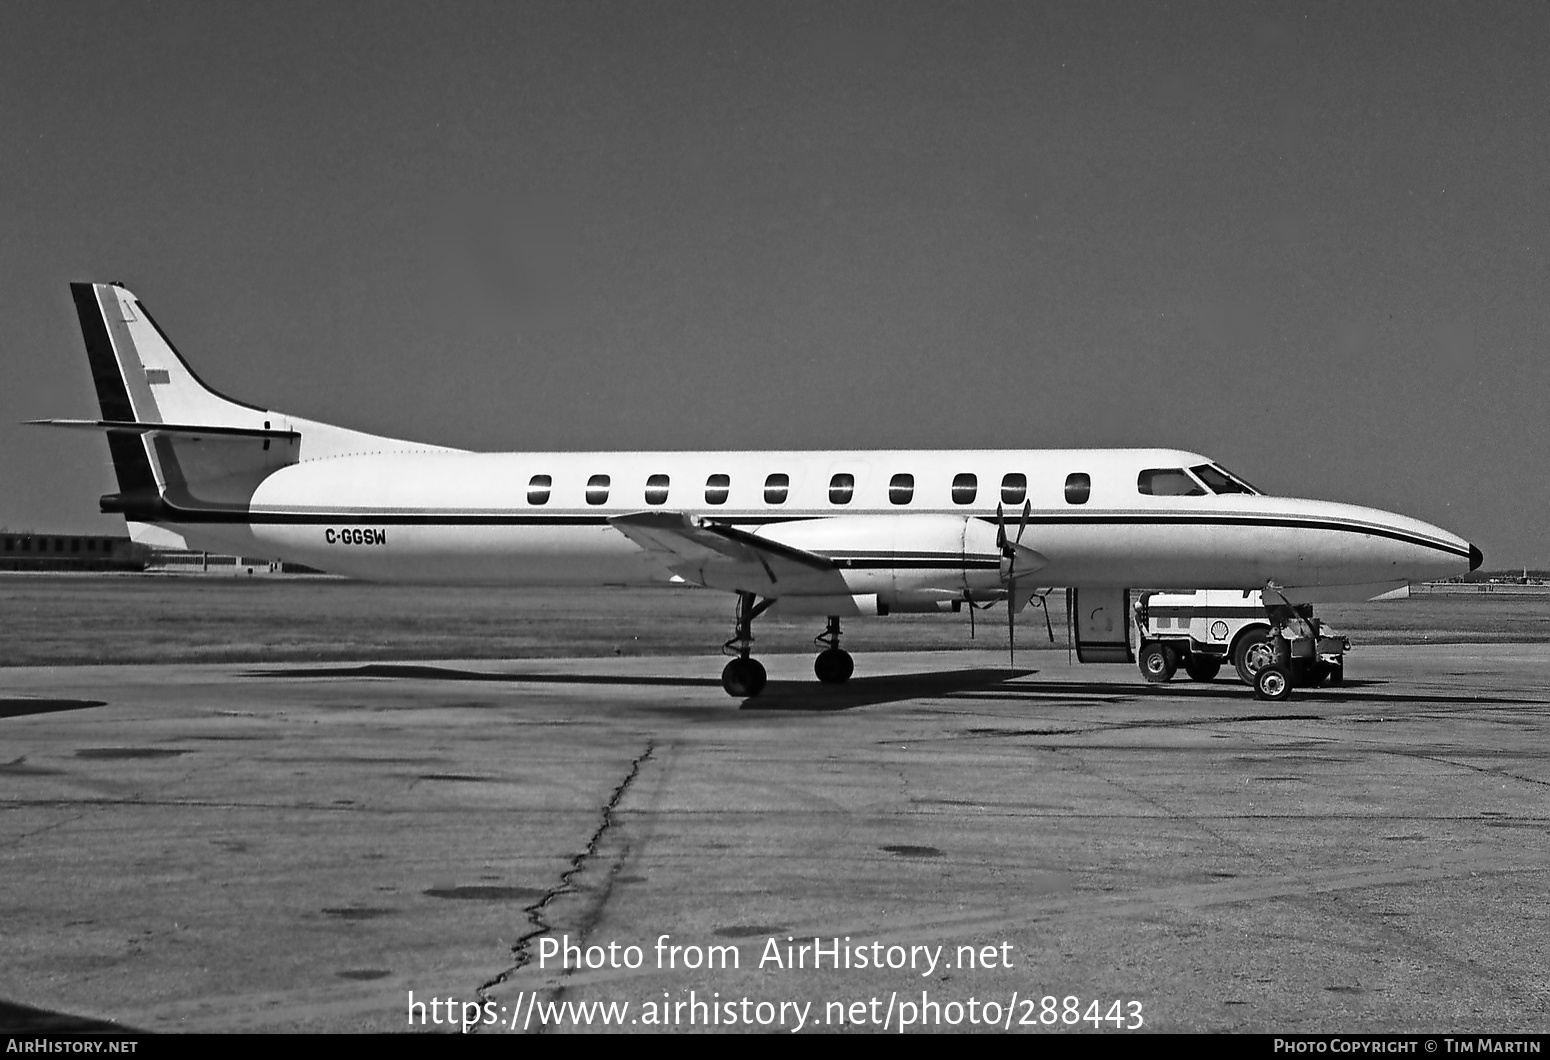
x=180 y=515
x=130 y=464
x=1290 y=521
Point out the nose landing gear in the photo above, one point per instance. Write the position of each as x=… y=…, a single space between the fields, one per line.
x=1273 y=680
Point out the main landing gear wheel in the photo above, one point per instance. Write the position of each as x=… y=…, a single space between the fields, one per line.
x=1156 y=663
x=1201 y=669
x=1273 y=682
x=743 y=678
x=834 y=666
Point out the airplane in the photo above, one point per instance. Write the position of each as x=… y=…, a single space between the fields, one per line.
x=830 y=534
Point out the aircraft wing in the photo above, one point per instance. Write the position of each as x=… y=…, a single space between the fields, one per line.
x=719 y=556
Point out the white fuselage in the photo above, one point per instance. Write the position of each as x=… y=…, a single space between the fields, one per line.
x=832 y=533
x=476 y=518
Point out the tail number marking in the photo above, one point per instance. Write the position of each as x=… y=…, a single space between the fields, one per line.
x=355 y=535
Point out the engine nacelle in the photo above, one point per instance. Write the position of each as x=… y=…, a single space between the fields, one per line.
x=909 y=562
x=861 y=604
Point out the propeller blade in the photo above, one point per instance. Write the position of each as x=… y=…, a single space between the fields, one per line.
x=1011 y=632
x=1010 y=547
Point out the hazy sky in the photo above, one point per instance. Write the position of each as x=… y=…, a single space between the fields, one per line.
x=1310 y=240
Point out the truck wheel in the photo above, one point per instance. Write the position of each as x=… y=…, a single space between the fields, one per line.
x=1156 y=663
x=1253 y=652
x=1336 y=673
x=1273 y=683
x=1202 y=668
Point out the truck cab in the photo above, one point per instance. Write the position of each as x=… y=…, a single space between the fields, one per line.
x=1203 y=630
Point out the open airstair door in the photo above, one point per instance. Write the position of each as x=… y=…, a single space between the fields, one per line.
x=1100 y=623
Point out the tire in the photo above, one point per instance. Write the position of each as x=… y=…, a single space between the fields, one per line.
x=1156 y=663
x=834 y=666
x=1336 y=674
x=1202 y=667
x=743 y=678
x=1252 y=652
x=1272 y=683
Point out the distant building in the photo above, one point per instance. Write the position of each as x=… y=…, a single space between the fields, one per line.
x=43 y=552
x=192 y=561
x=169 y=554
x=98 y=552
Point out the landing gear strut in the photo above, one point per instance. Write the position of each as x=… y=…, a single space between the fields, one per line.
x=833 y=665
x=1273 y=680
x=744 y=677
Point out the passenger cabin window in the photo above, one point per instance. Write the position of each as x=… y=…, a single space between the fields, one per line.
x=597 y=489
x=842 y=487
x=1220 y=480
x=1079 y=486
x=656 y=489
x=901 y=489
x=1014 y=488
x=538 y=489
x=1168 y=482
x=775 y=488
x=716 y=489
x=964 y=488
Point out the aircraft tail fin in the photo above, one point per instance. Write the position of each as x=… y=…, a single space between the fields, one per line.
x=164 y=425
x=180 y=447
x=139 y=374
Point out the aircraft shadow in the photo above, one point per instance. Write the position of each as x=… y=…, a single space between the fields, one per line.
x=20 y=708
x=24 y=1019
x=810 y=695
x=815 y=697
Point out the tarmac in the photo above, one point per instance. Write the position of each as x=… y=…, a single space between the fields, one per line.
x=319 y=847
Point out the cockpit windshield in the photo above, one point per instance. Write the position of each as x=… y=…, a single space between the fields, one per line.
x=1167 y=482
x=1221 y=480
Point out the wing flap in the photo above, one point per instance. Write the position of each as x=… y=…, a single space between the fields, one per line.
x=723 y=557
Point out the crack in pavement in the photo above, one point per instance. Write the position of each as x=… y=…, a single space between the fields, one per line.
x=521 y=950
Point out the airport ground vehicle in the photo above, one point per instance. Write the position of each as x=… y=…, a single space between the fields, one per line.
x=1203 y=630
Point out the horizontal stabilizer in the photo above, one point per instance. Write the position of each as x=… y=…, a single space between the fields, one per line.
x=131 y=427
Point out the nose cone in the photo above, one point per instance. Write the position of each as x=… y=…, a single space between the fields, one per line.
x=1379 y=546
